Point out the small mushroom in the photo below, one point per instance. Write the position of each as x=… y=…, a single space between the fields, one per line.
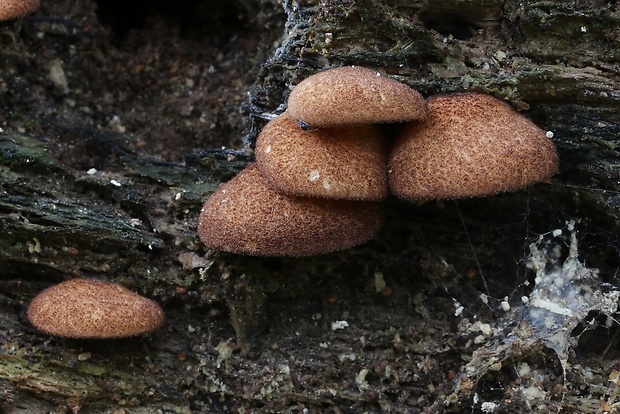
x=14 y=9
x=353 y=95
x=471 y=145
x=82 y=308
x=340 y=163
x=247 y=216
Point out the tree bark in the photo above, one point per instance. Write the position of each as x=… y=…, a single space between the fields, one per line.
x=430 y=305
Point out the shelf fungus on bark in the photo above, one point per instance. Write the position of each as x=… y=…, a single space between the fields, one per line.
x=247 y=216
x=92 y=309
x=353 y=95
x=338 y=163
x=471 y=145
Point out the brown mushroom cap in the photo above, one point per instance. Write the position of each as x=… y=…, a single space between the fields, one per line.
x=247 y=216
x=14 y=9
x=339 y=163
x=353 y=95
x=81 y=308
x=470 y=145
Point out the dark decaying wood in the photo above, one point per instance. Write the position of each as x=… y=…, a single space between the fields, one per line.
x=111 y=142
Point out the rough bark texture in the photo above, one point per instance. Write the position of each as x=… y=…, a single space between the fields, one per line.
x=107 y=152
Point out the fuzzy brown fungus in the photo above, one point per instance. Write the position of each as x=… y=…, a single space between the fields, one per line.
x=247 y=216
x=339 y=163
x=82 y=308
x=471 y=145
x=353 y=95
x=14 y=9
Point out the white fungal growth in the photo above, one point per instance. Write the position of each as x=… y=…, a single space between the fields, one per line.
x=314 y=175
x=458 y=308
x=489 y=407
x=338 y=325
x=564 y=294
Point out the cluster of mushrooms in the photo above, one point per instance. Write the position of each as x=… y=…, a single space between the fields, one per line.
x=324 y=166
x=322 y=169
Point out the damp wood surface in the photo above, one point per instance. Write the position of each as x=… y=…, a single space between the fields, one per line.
x=115 y=130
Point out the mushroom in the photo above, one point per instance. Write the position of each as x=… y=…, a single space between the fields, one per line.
x=14 y=9
x=247 y=216
x=339 y=163
x=471 y=145
x=82 y=308
x=352 y=95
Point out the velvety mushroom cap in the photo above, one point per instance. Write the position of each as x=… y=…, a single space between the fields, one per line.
x=81 y=308
x=339 y=163
x=470 y=145
x=353 y=95
x=247 y=216
x=14 y=9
